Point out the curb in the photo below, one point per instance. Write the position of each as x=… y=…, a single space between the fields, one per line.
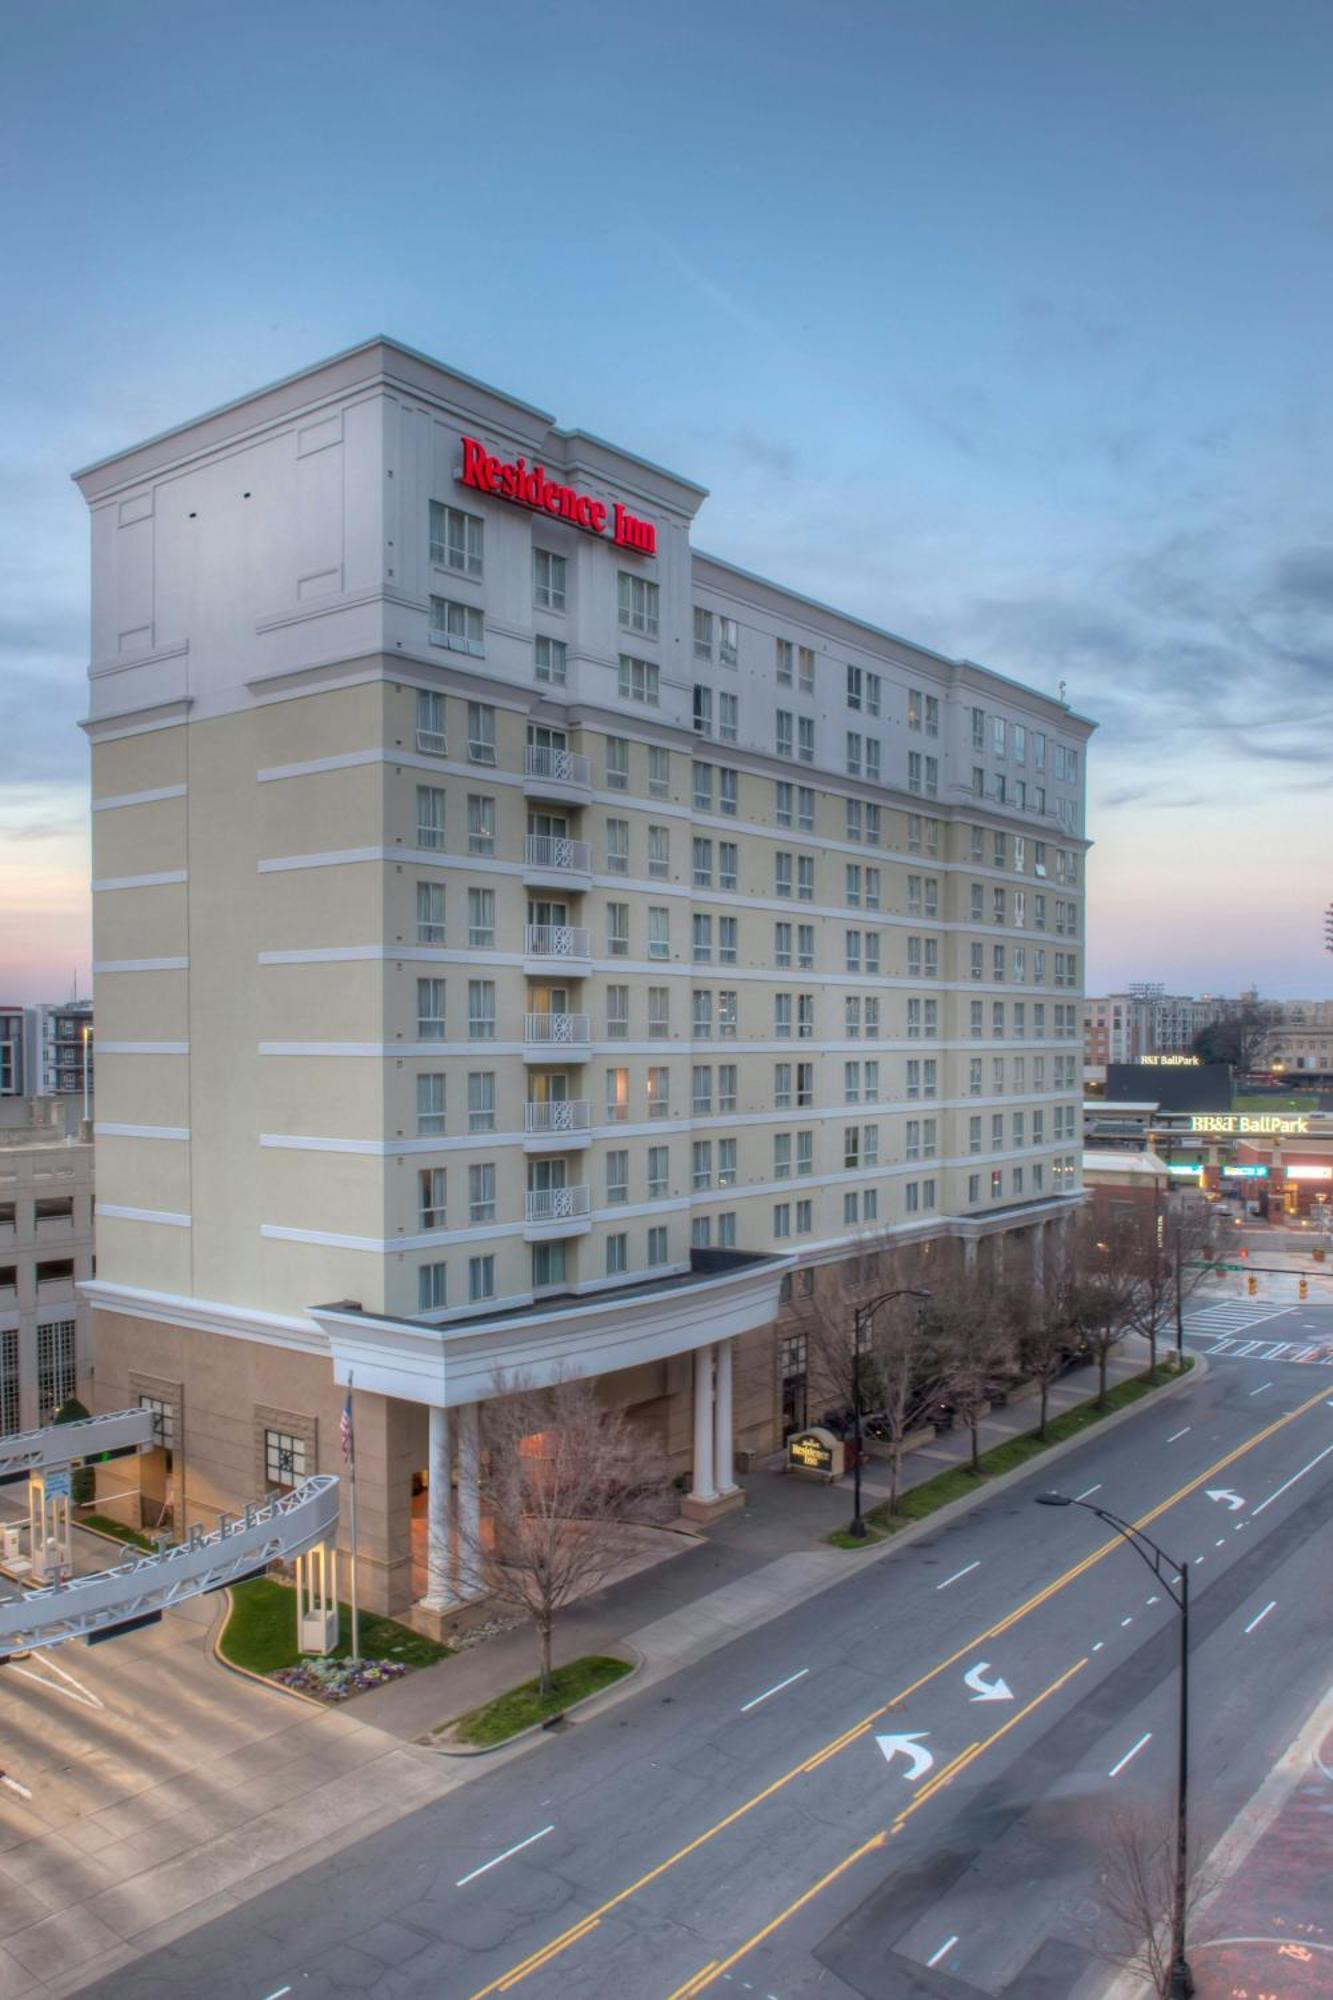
x=535 y=1729
x=952 y=1508
x=248 y=1673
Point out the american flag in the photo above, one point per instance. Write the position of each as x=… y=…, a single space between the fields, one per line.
x=345 y=1427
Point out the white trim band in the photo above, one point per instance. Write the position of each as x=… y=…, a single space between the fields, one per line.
x=140 y=1132
x=167 y=879
x=162 y=1215
x=140 y=798
x=143 y=1048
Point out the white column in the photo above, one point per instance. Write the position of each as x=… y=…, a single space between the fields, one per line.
x=997 y=1258
x=704 y=1487
x=469 y=1501
x=439 y=1516
x=969 y=1254
x=1039 y=1256
x=724 y=1459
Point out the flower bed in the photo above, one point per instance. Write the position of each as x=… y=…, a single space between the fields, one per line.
x=335 y=1680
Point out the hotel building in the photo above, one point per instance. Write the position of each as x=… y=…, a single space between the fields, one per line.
x=526 y=944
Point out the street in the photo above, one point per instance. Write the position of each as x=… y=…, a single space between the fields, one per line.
x=904 y=1787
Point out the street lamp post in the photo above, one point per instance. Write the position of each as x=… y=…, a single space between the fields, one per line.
x=861 y=1319
x=1181 y=1984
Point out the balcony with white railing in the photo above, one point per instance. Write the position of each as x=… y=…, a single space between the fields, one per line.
x=559 y=1211
x=565 y=945
x=558 y=1125
x=556 y=774
x=548 y=1037
x=555 y=859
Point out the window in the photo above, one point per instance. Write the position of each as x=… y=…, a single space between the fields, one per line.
x=872 y=759
x=617 y=1013
x=853 y=754
x=703 y=711
x=872 y=953
x=805 y=739
x=727 y=864
x=458 y=626
x=851 y=1083
x=805 y=1016
x=851 y=1007
x=659 y=932
x=703 y=634
x=701 y=1015
x=915 y=774
x=872 y=888
x=728 y=935
x=430 y=736
x=805 y=809
x=728 y=717
x=702 y=863
x=659 y=1104
x=701 y=1165
x=617 y=1096
x=657 y=1245
x=481 y=1010
x=726 y=1092
x=784 y=741
x=703 y=787
x=638 y=681
x=729 y=641
x=637 y=598
x=659 y=1011
x=851 y=1147
x=701 y=940
x=974 y=1076
x=782 y=872
x=548 y=580
x=782 y=1218
x=617 y=764
x=480 y=732
x=481 y=1100
x=852 y=949
x=481 y=1278
x=550 y=1265
x=549 y=660
x=805 y=878
x=783 y=800
x=785 y=661
x=455 y=539
x=659 y=768
x=480 y=919
x=873 y=825
x=974 y=1135
x=430 y=1104
x=657 y=1172
x=285 y=1463
x=432 y=1289
x=481 y=1192
x=728 y=791
x=480 y=824
x=853 y=819
x=782 y=1017
x=617 y=931
x=430 y=817
x=430 y=913
x=430 y=1010
x=617 y=847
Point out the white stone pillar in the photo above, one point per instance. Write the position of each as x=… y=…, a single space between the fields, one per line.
x=997 y=1258
x=704 y=1488
x=1039 y=1256
x=469 y=1501
x=440 y=1595
x=724 y=1456
x=969 y=1254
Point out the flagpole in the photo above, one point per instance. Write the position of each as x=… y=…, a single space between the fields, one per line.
x=351 y=1480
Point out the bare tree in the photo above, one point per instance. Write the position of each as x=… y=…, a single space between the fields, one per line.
x=1044 y=1322
x=1137 y=1894
x=559 y=1477
x=901 y=1370
x=975 y=1341
x=1246 y=1037
x=1164 y=1249
x=1102 y=1291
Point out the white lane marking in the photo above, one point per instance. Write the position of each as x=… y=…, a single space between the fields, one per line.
x=962 y=1572
x=1291 y=1482
x=1089 y=1491
x=1220 y=1544
x=486 y=1866
x=13 y=1785
x=1124 y=1622
x=1116 y=1769
x=1199 y=1559
x=1098 y=1647
x=1247 y=1347
x=1263 y=1385
x=948 y=1945
x=1154 y=1600
x=1178 y=1434
x=746 y=1706
x=1221 y=1347
x=278 y=1995
x=1278 y=1347
x=74 y=1691
x=1262 y=1615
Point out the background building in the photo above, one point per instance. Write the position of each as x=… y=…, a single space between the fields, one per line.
x=522 y=941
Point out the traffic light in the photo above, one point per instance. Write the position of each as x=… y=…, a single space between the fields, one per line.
x=1304 y=1288
x=1252 y=1285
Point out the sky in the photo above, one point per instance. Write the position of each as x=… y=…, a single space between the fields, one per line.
x=1006 y=326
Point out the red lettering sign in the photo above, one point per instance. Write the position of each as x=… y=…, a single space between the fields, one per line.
x=531 y=486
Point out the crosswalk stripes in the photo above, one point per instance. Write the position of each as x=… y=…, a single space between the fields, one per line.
x=1230 y=1316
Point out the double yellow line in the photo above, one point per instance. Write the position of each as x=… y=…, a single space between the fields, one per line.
x=538 y=1959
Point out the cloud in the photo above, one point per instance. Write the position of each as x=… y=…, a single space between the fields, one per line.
x=1305 y=577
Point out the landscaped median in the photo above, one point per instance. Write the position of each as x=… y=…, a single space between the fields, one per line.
x=960 y=1480
x=526 y=1707
x=259 y=1637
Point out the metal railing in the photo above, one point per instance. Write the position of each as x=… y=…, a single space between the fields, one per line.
x=567 y=767
x=557 y=1030
x=560 y=1204
x=561 y=1114
x=557 y=851
x=556 y=941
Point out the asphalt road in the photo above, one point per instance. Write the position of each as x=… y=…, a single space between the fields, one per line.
x=744 y=1828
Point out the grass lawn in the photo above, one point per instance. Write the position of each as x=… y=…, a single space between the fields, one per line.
x=261 y=1632
x=523 y=1706
x=960 y=1479
x=1264 y=1100
x=103 y=1524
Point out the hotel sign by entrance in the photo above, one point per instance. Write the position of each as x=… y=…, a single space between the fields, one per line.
x=532 y=486
x=1267 y=1123
x=815 y=1450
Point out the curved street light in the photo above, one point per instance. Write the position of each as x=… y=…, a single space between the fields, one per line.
x=861 y=1319
x=1181 y=1984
